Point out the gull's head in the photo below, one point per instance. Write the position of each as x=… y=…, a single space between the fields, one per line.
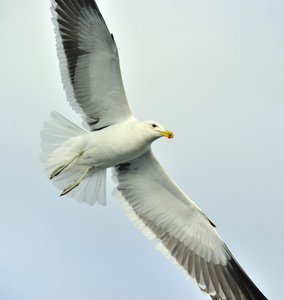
x=156 y=130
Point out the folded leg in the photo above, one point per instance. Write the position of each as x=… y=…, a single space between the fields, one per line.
x=61 y=168
x=71 y=186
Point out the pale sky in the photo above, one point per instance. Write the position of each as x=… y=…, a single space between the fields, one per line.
x=210 y=71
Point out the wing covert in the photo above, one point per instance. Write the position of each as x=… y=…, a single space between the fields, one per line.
x=159 y=208
x=89 y=63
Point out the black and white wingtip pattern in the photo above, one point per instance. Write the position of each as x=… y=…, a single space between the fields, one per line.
x=89 y=63
x=183 y=233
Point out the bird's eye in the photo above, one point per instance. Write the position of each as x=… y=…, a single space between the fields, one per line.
x=154 y=125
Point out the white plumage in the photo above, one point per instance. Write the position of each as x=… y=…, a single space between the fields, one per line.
x=76 y=160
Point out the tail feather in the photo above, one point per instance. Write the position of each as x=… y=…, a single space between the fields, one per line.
x=56 y=131
x=92 y=189
x=60 y=141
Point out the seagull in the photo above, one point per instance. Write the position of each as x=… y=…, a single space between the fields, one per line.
x=76 y=159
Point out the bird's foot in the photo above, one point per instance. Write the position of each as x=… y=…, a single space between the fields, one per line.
x=58 y=170
x=71 y=186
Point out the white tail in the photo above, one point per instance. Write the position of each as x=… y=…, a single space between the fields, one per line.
x=60 y=141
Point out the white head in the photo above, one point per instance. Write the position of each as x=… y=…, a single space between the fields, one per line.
x=156 y=130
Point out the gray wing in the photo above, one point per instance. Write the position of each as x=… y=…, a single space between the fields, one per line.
x=159 y=208
x=89 y=63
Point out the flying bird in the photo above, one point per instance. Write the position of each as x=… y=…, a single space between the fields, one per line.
x=76 y=159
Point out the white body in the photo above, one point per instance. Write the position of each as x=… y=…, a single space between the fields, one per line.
x=114 y=145
x=107 y=147
x=62 y=141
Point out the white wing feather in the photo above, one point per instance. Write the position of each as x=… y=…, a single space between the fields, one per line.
x=89 y=64
x=159 y=208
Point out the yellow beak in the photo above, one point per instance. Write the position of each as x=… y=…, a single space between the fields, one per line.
x=166 y=133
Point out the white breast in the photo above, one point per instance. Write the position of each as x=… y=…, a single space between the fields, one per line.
x=114 y=145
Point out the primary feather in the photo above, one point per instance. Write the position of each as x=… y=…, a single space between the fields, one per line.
x=89 y=63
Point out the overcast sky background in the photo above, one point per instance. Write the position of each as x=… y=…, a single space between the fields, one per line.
x=210 y=71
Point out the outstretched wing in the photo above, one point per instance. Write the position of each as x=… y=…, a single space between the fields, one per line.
x=160 y=209
x=89 y=63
